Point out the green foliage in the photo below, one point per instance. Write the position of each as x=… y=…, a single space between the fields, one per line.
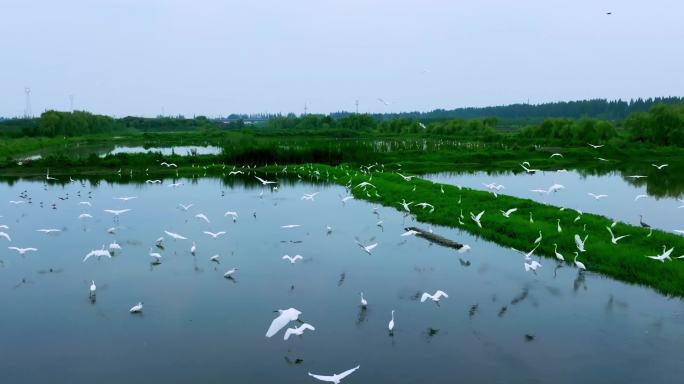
x=662 y=125
x=56 y=124
x=568 y=131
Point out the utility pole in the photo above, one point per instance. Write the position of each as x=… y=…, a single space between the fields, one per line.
x=305 y=109
x=27 y=108
x=357 y=106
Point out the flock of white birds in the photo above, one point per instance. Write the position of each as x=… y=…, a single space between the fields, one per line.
x=286 y=317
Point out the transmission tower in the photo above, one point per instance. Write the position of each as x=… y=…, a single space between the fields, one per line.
x=357 y=106
x=27 y=108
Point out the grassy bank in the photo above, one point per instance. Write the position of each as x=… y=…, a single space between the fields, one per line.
x=626 y=261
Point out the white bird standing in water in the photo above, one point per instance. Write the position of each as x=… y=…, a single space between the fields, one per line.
x=93 y=288
x=137 y=308
x=298 y=330
x=390 y=326
x=434 y=297
x=579 y=264
x=364 y=302
x=193 y=248
x=558 y=255
x=558 y=226
x=336 y=378
x=229 y=273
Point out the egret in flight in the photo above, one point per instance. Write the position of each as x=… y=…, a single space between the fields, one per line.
x=661 y=166
x=436 y=297
x=298 y=330
x=97 y=253
x=507 y=214
x=614 y=239
x=265 y=182
x=174 y=236
x=336 y=378
x=284 y=318
x=292 y=259
x=23 y=251
x=117 y=212
x=215 y=235
x=477 y=218
x=665 y=255
x=580 y=243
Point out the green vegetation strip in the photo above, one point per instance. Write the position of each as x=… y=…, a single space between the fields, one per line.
x=625 y=261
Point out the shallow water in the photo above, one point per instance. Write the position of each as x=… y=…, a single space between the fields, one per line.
x=104 y=149
x=658 y=211
x=198 y=326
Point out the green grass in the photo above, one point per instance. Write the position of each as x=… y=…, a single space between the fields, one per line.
x=626 y=261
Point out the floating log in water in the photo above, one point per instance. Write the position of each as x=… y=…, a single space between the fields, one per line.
x=436 y=239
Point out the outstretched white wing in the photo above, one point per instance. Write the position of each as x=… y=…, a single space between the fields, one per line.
x=347 y=373
x=439 y=294
x=277 y=324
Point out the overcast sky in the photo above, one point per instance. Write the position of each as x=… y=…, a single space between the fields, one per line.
x=214 y=57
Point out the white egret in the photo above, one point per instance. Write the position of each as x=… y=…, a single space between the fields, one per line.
x=436 y=297
x=202 y=216
x=185 y=207
x=309 y=196
x=289 y=226
x=580 y=243
x=298 y=330
x=597 y=197
x=640 y=197
x=175 y=236
x=367 y=248
x=337 y=378
x=214 y=258
x=114 y=246
x=595 y=146
x=660 y=166
x=555 y=155
x=229 y=273
x=390 y=326
x=579 y=264
x=665 y=255
x=193 y=248
x=405 y=205
x=410 y=232
x=265 y=182
x=426 y=205
x=292 y=259
x=85 y=216
x=85 y=203
x=97 y=253
x=49 y=230
x=477 y=218
x=465 y=248
x=364 y=184
x=232 y=214
x=284 y=317
x=22 y=251
x=93 y=288
x=406 y=178
x=117 y=212
x=136 y=308
x=558 y=255
x=364 y=302
x=614 y=239
x=126 y=198
x=532 y=266
x=538 y=239
x=558 y=226
x=508 y=213
x=215 y=235
x=156 y=257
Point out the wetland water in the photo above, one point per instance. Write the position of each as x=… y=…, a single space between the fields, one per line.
x=659 y=208
x=500 y=324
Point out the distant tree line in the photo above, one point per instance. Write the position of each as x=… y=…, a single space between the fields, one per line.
x=594 y=108
x=54 y=123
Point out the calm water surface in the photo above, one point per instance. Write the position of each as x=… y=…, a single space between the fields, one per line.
x=199 y=327
x=659 y=212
